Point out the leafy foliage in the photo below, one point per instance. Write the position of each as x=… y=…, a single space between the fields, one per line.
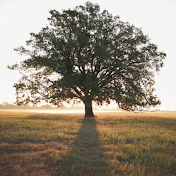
x=88 y=55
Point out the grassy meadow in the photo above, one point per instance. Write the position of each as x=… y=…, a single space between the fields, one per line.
x=139 y=144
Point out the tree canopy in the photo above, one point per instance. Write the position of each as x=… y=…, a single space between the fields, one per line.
x=89 y=55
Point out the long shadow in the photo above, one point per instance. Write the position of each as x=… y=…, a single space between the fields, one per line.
x=86 y=156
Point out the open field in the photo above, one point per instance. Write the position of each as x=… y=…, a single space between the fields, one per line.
x=67 y=144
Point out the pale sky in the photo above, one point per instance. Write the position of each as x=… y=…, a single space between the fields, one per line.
x=157 y=18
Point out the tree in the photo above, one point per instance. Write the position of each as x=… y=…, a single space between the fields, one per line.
x=88 y=55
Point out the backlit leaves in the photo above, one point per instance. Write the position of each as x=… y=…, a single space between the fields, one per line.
x=88 y=54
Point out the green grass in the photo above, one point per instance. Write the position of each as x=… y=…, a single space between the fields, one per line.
x=111 y=144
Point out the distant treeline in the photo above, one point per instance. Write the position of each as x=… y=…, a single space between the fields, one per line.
x=6 y=105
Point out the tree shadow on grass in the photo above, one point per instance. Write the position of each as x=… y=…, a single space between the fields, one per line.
x=78 y=152
x=86 y=156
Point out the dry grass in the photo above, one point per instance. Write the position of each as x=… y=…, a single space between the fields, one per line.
x=111 y=144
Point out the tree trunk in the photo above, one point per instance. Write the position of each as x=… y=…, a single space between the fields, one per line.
x=88 y=109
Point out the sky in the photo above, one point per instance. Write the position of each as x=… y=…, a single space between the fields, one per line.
x=156 y=18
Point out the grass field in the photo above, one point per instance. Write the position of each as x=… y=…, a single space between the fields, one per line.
x=67 y=144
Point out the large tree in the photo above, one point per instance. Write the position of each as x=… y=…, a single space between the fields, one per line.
x=88 y=55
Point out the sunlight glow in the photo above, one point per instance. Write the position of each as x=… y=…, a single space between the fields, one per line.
x=156 y=19
x=58 y=111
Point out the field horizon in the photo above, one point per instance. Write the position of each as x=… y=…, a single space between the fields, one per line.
x=81 y=110
x=67 y=144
